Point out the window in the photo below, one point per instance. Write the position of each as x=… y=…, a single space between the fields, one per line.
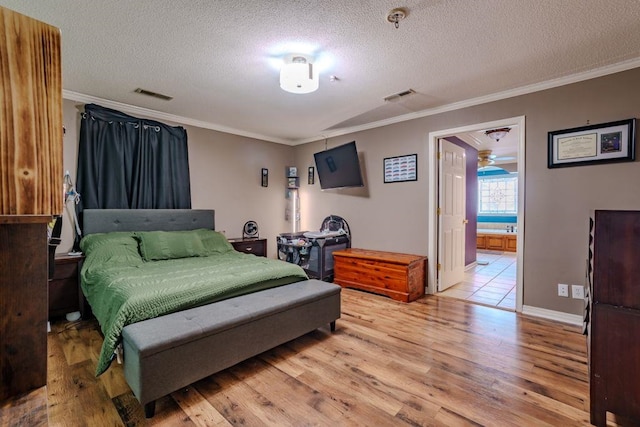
x=498 y=195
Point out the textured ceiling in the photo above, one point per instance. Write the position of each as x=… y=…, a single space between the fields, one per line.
x=216 y=58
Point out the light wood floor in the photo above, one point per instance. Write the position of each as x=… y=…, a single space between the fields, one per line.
x=433 y=362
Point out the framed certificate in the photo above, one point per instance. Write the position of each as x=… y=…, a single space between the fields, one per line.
x=603 y=143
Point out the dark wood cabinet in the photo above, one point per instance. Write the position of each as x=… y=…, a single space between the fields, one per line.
x=23 y=304
x=64 y=291
x=614 y=320
x=254 y=246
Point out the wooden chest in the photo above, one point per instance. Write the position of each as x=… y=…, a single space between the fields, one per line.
x=399 y=276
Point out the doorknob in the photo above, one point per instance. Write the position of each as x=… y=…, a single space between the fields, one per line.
x=465 y=221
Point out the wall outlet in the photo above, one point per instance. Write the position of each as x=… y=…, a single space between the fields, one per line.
x=563 y=290
x=577 y=291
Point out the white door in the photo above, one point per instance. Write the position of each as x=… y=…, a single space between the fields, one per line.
x=451 y=214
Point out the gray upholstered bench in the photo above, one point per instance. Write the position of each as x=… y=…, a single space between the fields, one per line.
x=162 y=355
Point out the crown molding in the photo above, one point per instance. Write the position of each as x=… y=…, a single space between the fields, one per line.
x=159 y=115
x=524 y=90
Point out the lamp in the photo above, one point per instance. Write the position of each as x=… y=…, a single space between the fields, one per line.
x=297 y=74
x=497 y=134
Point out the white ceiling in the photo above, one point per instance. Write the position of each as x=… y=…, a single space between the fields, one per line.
x=216 y=58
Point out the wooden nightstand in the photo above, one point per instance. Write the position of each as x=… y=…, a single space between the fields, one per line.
x=254 y=246
x=64 y=288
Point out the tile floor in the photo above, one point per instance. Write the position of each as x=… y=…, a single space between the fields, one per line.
x=493 y=284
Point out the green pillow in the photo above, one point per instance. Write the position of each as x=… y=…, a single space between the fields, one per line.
x=214 y=242
x=157 y=245
x=115 y=247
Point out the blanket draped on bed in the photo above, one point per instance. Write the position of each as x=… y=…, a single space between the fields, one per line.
x=122 y=288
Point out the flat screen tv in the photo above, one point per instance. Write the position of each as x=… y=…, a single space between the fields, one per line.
x=339 y=167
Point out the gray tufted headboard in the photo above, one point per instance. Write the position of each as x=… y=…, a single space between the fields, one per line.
x=107 y=220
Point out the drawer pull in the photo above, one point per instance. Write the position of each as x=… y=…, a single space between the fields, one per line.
x=249 y=248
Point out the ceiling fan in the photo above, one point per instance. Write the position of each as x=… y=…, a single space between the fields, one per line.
x=486 y=158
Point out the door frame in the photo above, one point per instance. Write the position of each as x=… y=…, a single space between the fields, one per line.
x=431 y=149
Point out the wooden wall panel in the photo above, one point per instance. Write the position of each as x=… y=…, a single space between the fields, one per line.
x=30 y=117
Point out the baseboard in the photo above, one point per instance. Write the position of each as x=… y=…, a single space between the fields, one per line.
x=558 y=316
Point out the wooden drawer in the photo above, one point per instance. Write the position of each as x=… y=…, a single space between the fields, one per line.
x=398 y=276
x=257 y=247
x=64 y=290
x=63 y=296
x=65 y=270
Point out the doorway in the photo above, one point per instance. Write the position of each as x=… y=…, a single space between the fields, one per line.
x=438 y=257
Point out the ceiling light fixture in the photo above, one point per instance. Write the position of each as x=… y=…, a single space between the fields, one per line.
x=297 y=74
x=497 y=134
x=396 y=15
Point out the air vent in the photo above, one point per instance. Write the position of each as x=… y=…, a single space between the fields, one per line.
x=397 y=96
x=153 y=94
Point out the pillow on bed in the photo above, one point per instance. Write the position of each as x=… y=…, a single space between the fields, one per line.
x=214 y=242
x=157 y=245
x=116 y=247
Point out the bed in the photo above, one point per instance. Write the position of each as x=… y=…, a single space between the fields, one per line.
x=170 y=292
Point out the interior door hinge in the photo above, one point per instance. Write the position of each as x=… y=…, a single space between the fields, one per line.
x=438 y=211
x=439 y=155
x=439 y=267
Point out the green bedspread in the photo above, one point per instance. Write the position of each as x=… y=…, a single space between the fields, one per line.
x=122 y=288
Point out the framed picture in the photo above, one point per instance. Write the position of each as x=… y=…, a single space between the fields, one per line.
x=265 y=177
x=312 y=175
x=401 y=168
x=292 y=171
x=604 y=143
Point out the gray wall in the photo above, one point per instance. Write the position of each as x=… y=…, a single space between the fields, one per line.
x=225 y=175
x=557 y=202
